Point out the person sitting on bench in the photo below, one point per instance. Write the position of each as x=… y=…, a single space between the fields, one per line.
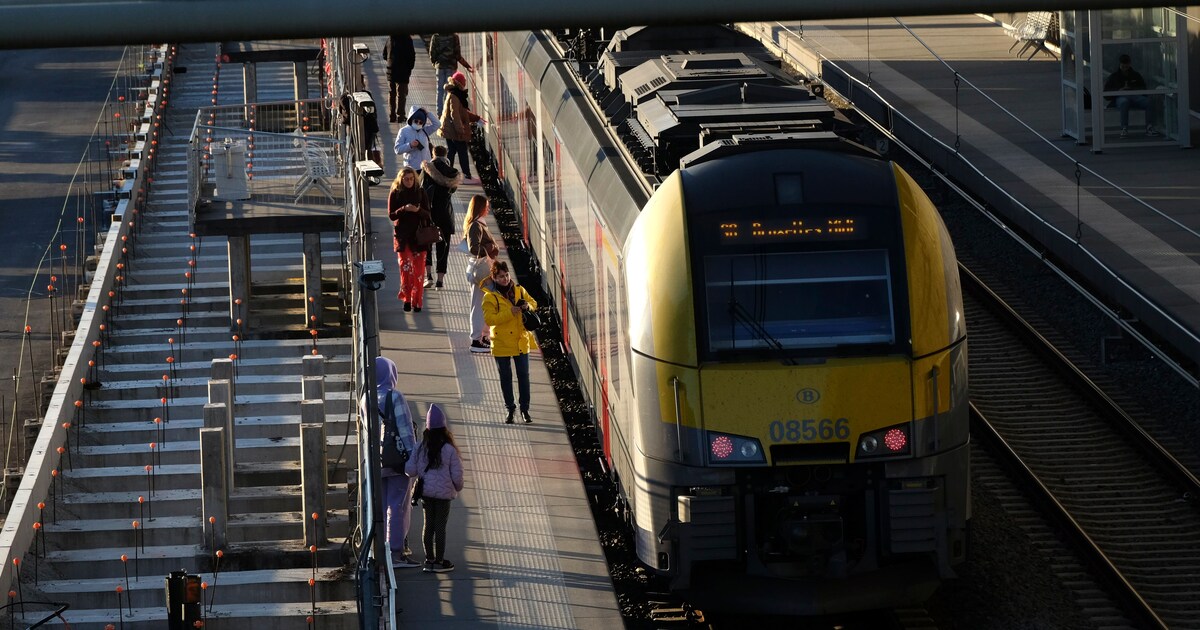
x=1126 y=78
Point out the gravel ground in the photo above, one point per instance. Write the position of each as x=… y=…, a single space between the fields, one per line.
x=1005 y=584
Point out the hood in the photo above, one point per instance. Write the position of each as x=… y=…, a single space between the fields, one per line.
x=437 y=170
x=413 y=110
x=385 y=374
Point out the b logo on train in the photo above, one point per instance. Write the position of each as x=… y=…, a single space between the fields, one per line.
x=765 y=317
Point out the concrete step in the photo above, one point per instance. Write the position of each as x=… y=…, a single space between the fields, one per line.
x=229 y=588
x=331 y=615
x=336 y=362
x=247 y=450
x=186 y=429
x=167 y=531
x=251 y=349
x=124 y=461
x=187 y=475
x=150 y=390
x=105 y=562
x=124 y=504
x=192 y=407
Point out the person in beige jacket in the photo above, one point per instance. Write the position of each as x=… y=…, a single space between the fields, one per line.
x=457 y=121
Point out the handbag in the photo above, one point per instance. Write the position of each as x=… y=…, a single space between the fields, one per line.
x=478 y=269
x=428 y=235
x=531 y=320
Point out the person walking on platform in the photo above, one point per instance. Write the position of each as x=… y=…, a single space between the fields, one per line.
x=1126 y=78
x=408 y=208
x=412 y=141
x=439 y=467
x=483 y=250
x=457 y=122
x=397 y=486
x=401 y=56
x=446 y=54
x=441 y=180
x=504 y=304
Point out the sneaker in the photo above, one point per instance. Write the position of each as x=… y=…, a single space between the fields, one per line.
x=429 y=564
x=428 y=281
x=407 y=306
x=1151 y=131
x=511 y=412
x=445 y=566
x=404 y=562
x=525 y=415
x=438 y=284
x=1124 y=132
x=478 y=346
x=486 y=341
x=416 y=309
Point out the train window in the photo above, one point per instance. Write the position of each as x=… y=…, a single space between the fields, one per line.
x=798 y=300
x=789 y=189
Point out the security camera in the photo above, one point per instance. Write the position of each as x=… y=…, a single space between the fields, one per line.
x=363 y=102
x=362 y=51
x=371 y=274
x=371 y=171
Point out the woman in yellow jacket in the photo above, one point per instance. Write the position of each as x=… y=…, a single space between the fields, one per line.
x=503 y=303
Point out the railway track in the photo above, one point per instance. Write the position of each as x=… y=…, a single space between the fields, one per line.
x=1124 y=503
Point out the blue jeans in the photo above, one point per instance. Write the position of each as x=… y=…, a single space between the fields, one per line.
x=522 y=361
x=443 y=75
x=1139 y=101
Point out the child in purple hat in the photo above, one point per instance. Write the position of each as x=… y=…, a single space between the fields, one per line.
x=439 y=468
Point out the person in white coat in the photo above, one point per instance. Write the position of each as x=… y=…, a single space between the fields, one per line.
x=414 y=139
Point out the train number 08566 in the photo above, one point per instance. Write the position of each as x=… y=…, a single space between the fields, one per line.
x=810 y=430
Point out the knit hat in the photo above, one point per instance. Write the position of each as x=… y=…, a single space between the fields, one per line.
x=459 y=78
x=435 y=419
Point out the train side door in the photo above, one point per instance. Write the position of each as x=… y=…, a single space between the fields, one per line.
x=608 y=304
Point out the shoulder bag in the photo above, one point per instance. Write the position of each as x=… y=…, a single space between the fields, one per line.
x=531 y=320
x=428 y=234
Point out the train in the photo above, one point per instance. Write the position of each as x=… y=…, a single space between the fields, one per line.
x=765 y=316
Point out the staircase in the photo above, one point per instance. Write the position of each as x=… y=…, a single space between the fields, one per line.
x=134 y=458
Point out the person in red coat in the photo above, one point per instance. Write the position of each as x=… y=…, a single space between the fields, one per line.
x=408 y=208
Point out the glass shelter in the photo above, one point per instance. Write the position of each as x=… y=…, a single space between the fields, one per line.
x=1107 y=105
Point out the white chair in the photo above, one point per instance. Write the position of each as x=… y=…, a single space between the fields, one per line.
x=1033 y=31
x=317 y=166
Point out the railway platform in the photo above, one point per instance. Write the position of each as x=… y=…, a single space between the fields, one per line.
x=1124 y=219
x=521 y=534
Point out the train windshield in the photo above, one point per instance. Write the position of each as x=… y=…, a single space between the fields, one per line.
x=799 y=300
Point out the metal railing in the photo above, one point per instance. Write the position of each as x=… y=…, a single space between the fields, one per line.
x=265 y=153
x=951 y=163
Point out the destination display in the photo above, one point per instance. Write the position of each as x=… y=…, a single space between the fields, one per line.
x=784 y=230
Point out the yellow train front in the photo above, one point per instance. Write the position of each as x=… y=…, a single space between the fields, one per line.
x=797 y=442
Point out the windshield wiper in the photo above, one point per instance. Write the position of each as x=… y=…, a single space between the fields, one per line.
x=739 y=313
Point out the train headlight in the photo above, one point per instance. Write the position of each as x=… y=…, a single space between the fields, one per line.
x=726 y=449
x=888 y=442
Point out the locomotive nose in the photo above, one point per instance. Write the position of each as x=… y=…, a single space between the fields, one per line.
x=809 y=533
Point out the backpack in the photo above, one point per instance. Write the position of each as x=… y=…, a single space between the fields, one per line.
x=395 y=454
x=442 y=49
